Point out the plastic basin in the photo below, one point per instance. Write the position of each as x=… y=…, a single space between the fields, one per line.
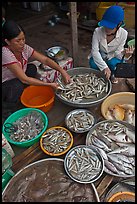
x=41 y=97
x=19 y=114
x=117 y=98
x=59 y=128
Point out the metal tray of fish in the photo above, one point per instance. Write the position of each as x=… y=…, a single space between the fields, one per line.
x=46 y=181
x=115 y=140
x=88 y=87
x=84 y=164
x=79 y=120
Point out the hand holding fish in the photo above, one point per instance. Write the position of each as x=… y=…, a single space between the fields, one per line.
x=54 y=85
x=66 y=76
x=107 y=72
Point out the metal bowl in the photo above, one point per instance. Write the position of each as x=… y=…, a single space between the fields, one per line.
x=84 y=164
x=85 y=102
x=105 y=129
x=79 y=120
x=46 y=181
x=58 y=53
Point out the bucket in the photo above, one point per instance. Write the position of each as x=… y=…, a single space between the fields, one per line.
x=41 y=97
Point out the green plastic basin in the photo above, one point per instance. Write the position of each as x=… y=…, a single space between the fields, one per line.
x=19 y=114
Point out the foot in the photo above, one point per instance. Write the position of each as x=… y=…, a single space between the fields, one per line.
x=114 y=80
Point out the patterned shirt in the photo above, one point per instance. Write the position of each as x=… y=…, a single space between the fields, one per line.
x=8 y=58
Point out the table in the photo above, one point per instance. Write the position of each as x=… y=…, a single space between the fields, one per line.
x=56 y=117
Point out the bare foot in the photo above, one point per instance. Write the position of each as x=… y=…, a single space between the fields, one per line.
x=114 y=80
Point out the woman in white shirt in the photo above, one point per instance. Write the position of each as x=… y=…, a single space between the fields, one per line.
x=108 y=43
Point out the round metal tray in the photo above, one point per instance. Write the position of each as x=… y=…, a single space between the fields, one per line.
x=113 y=144
x=46 y=181
x=81 y=164
x=81 y=121
x=86 y=102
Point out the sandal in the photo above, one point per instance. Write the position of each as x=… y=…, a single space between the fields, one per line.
x=114 y=80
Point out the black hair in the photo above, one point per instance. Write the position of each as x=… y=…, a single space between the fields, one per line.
x=10 y=30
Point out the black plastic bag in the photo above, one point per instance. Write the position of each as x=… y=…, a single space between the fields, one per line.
x=125 y=70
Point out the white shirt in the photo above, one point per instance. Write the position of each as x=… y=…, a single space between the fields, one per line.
x=102 y=51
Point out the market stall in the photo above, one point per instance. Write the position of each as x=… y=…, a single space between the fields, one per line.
x=35 y=154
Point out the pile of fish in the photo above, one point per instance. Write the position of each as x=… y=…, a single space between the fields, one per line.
x=28 y=127
x=79 y=120
x=84 y=86
x=125 y=112
x=83 y=164
x=56 y=140
x=115 y=141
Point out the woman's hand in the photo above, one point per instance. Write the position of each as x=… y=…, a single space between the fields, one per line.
x=107 y=72
x=129 y=51
x=55 y=86
x=66 y=77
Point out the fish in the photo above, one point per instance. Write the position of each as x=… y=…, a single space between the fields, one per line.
x=109 y=115
x=84 y=165
x=124 y=112
x=127 y=106
x=105 y=139
x=129 y=116
x=28 y=127
x=129 y=151
x=84 y=86
x=130 y=134
x=118 y=112
x=132 y=160
x=97 y=142
x=121 y=147
x=110 y=172
x=56 y=140
x=114 y=158
x=122 y=137
x=133 y=119
x=126 y=170
x=80 y=120
x=102 y=152
x=123 y=158
x=111 y=166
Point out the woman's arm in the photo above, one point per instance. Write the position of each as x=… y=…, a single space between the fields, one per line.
x=19 y=73
x=47 y=61
x=95 y=50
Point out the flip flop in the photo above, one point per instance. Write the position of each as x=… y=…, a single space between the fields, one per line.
x=114 y=80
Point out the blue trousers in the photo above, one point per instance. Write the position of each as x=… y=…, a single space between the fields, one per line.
x=111 y=63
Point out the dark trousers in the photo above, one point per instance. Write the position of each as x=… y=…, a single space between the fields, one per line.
x=12 y=89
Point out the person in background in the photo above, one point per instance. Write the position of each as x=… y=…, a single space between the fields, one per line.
x=108 y=43
x=16 y=72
